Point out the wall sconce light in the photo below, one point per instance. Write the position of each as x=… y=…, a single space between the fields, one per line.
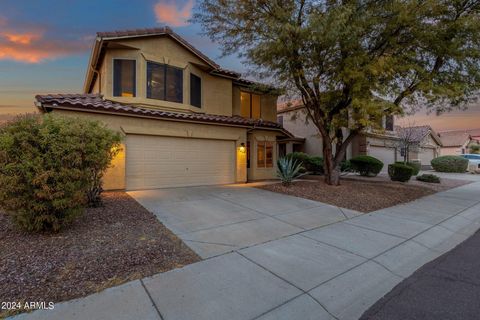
x=242 y=147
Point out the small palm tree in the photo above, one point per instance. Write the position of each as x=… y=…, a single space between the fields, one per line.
x=288 y=169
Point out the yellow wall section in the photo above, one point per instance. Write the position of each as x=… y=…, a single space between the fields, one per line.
x=219 y=95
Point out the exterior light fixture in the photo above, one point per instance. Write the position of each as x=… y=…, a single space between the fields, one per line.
x=242 y=147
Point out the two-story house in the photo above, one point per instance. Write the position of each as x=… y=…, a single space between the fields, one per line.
x=293 y=117
x=185 y=120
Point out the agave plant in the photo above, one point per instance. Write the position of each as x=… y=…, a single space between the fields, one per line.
x=288 y=169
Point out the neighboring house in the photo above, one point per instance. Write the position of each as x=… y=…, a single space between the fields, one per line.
x=293 y=117
x=475 y=134
x=186 y=121
x=455 y=142
x=425 y=144
x=384 y=145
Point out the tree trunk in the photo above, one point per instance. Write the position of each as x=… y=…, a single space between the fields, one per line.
x=330 y=168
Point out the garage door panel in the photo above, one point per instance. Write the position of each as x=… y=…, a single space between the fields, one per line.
x=158 y=162
x=386 y=155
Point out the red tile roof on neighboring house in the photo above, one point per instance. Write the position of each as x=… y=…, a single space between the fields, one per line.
x=287 y=106
x=454 y=138
x=415 y=134
x=96 y=103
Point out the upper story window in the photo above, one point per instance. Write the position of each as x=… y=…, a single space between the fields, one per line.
x=250 y=105
x=164 y=82
x=389 y=122
x=124 y=78
x=195 y=91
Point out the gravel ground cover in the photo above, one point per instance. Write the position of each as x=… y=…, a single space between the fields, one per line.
x=361 y=193
x=107 y=246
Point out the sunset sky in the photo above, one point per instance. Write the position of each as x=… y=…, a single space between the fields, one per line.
x=45 y=45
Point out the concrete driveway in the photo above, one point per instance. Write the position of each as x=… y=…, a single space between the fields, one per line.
x=220 y=219
x=270 y=256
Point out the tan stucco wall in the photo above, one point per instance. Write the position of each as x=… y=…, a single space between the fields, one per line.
x=219 y=94
x=115 y=176
x=254 y=172
x=454 y=151
x=216 y=91
x=296 y=122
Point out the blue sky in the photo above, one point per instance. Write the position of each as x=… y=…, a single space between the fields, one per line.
x=45 y=44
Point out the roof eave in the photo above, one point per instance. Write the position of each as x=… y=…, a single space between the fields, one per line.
x=92 y=64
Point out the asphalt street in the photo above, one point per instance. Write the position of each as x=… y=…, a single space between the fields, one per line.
x=445 y=288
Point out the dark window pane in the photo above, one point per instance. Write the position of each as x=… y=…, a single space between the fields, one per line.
x=155 y=81
x=124 y=78
x=195 y=91
x=174 y=88
x=261 y=154
x=389 y=123
x=269 y=154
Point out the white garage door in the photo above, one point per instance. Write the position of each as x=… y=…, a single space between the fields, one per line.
x=426 y=155
x=162 y=162
x=386 y=155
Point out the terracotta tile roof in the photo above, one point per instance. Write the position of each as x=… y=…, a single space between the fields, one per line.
x=416 y=134
x=94 y=102
x=454 y=138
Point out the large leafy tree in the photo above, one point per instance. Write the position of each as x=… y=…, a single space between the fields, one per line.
x=354 y=61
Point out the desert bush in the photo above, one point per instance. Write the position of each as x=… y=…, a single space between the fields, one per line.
x=416 y=166
x=299 y=157
x=400 y=172
x=288 y=169
x=430 y=178
x=450 y=164
x=48 y=167
x=366 y=165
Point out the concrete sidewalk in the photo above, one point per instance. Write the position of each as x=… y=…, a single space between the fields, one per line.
x=331 y=272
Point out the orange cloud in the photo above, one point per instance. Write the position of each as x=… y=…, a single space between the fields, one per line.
x=33 y=47
x=24 y=38
x=167 y=12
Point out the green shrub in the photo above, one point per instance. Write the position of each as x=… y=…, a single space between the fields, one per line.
x=416 y=166
x=311 y=164
x=345 y=166
x=450 y=164
x=48 y=166
x=366 y=165
x=430 y=178
x=475 y=148
x=288 y=169
x=314 y=165
x=400 y=172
